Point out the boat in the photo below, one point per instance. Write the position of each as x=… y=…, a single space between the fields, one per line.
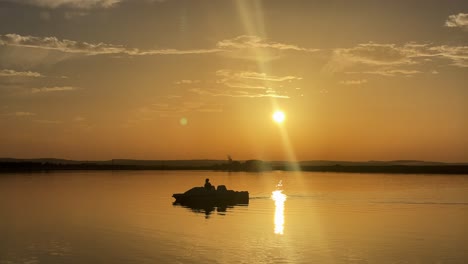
x=220 y=196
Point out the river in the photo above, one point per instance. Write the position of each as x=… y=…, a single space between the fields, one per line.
x=128 y=217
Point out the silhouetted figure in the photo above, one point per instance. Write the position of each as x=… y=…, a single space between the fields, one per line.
x=208 y=185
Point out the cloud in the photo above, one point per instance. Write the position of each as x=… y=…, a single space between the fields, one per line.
x=248 y=42
x=235 y=93
x=13 y=73
x=53 y=89
x=187 y=81
x=52 y=43
x=21 y=114
x=255 y=76
x=389 y=73
x=85 y=4
x=237 y=82
x=79 y=119
x=459 y=20
x=74 y=47
x=257 y=49
x=80 y=4
x=29 y=50
x=248 y=84
x=374 y=54
x=392 y=55
x=244 y=86
x=353 y=82
x=457 y=54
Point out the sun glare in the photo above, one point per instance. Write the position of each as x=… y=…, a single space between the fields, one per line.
x=279 y=199
x=279 y=117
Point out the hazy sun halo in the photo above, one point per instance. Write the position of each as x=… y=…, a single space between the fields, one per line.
x=279 y=116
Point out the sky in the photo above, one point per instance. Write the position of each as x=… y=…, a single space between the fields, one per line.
x=175 y=79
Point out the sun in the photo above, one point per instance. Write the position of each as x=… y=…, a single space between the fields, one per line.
x=279 y=116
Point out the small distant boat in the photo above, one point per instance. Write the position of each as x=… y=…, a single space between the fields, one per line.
x=216 y=197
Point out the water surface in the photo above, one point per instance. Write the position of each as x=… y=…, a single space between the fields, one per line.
x=128 y=217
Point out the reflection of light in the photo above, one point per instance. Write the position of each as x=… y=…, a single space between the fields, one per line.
x=279 y=199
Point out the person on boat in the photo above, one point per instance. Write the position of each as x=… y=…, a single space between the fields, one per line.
x=208 y=185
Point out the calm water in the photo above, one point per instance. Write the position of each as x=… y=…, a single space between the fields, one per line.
x=128 y=217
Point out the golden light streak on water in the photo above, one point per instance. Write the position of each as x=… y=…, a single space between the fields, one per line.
x=279 y=197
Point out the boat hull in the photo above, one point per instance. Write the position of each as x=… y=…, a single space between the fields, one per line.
x=201 y=196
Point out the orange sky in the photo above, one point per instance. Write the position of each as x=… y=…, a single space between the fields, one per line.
x=357 y=80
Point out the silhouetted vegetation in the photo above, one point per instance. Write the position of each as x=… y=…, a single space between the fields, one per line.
x=409 y=169
x=249 y=165
x=234 y=166
x=38 y=166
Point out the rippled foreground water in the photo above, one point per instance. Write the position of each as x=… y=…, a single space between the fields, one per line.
x=128 y=217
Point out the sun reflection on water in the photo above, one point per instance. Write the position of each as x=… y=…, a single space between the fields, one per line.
x=279 y=197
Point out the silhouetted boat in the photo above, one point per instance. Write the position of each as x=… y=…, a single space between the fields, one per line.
x=219 y=197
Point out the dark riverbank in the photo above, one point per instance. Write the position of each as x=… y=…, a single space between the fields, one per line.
x=251 y=165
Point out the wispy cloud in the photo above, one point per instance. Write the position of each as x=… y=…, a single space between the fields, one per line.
x=249 y=47
x=255 y=76
x=389 y=73
x=53 y=89
x=243 y=85
x=187 y=81
x=457 y=54
x=459 y=20
x=392 y=55
x=353 y=82
x=13 y=73
x=75 y=47
x=374 y=54
x=258 y=49
x=21 y=114
x=52 y=43
x=235 y=93
x=248 y=84
x=80 y=4
x=79 y=119
x=248 y=42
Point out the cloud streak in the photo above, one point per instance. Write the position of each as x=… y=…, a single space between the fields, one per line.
x=13 y=73
x=52 y=89
x=254 y=76
x=250 y=42
x=21 y=114
x=79 y=4
x=393 y=56
x=389 y=73
x=249 y=47
x=71 y=46
x=187 y=81
x=234 y=93
x=240 y=84
x=353 y=82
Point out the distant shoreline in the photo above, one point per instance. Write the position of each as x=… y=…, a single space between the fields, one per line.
x=256 y=166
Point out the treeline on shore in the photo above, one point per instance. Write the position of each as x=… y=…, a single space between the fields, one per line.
x=233 y=166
